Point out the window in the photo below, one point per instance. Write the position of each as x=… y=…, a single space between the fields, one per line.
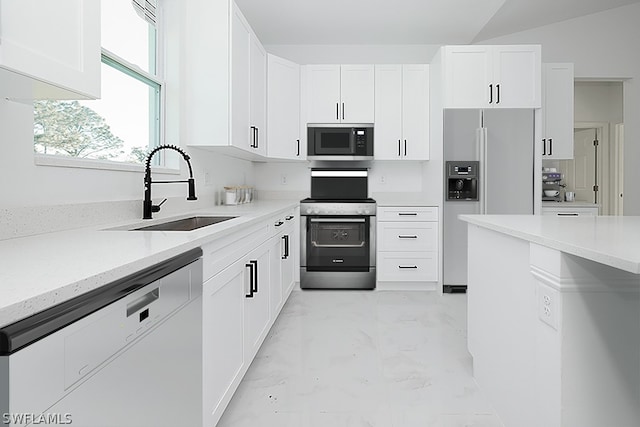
x=125 y=123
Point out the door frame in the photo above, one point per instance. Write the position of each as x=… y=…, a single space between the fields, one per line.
x=603 y=180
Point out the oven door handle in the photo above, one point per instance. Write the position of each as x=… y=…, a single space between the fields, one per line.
x=361 y=220
x=358 y=245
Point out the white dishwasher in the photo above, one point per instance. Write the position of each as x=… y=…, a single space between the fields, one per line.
x=128 y=354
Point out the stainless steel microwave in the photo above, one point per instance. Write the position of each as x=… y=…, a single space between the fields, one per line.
x=339 y=142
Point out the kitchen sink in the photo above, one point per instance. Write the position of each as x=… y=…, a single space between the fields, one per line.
x=186 y=224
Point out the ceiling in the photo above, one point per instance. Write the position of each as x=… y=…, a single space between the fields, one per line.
x=407 y=21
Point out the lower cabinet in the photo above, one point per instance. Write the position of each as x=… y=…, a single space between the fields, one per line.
x=407 y=247
x=569 y=211
x=250 y=276
x=223 y=347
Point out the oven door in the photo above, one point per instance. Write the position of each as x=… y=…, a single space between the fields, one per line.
x=333 y=142
x=337 y=243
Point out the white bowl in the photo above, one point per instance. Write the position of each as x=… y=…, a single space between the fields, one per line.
x=551 y=193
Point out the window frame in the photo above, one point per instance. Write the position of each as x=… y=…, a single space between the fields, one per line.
x=156 y=82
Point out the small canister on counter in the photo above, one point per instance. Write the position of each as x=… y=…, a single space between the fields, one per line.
x=230 y=196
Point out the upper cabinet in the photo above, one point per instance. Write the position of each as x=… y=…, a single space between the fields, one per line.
x=506 y=76
x=225 y=89
x=402 y=112
x=557 y=111
x=50 y=49
x=340 y=93
x=248 y=87
x=283 y=109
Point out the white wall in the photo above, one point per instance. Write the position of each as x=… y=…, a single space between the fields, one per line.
x=602 y=46
x=598 y=102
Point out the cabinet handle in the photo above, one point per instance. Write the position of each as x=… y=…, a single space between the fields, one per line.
x=399 y=145
x=408 y=266
x=407 y=237
x=253 y=137
x=498 y=89
x=337 y=111
x=254 y=262
x=491 y=94
x=405 y=147
x=550 y=146
x=544 y=146
x=408 y=213
x=257 y=137
x=568 y=214
x=343 y=111
x=279 y=223
x=289 y=217
x=298 y=153
x=250 y=294
x=285 y=238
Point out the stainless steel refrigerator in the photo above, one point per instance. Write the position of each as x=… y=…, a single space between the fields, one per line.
x=502 y=142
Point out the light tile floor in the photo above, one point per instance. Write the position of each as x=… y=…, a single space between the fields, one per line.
x=363 y=359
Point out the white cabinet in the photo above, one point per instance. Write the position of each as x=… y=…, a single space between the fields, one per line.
x=283 y=109
x=569 y=211
x=225 y=81
x=557 y=111
x=340 y=93
x=50 y=50
x=407 y=245
x=402 y=112
x=506 y=76
x=223 y=347
x=248 y=278
x=256 y=300
x=248 y=86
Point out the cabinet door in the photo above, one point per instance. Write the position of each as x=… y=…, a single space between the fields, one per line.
x=357 y=93
x=558 y=111
x=415 y=112
x=467 y=76
x=275 y=272
x=222 y=330
x=258 y=95
x=323 y=94
x=517 y=76
x=256 y=302
x=55 y=44
x=283 y=111
x=241 y=132
x=388 y=112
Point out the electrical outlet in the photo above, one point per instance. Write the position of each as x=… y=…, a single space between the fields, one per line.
x=382 y=179
x=283 y=179
x=207 y=179
x=548 y=305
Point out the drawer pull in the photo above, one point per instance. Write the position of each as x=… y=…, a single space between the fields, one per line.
x=408 y=213
x=568 y=214
x=408 y=266
x=289 y=217
x=407 y=236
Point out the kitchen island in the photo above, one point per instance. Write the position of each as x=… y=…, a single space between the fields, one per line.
x=554 y=318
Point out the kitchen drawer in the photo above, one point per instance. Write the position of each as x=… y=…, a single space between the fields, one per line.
x=414 y=213
x=408 y=266
x=408 y=236
x=570 y=212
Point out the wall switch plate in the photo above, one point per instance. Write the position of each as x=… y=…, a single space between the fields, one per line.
x=207 y=179
x=548 y=305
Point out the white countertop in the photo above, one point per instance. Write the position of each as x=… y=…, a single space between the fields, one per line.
x=40 y=271
x=609 y=240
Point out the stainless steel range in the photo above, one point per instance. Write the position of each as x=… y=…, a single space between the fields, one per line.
x=338 y=233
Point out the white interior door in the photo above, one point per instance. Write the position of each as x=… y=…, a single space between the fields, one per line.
x=580 y=175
